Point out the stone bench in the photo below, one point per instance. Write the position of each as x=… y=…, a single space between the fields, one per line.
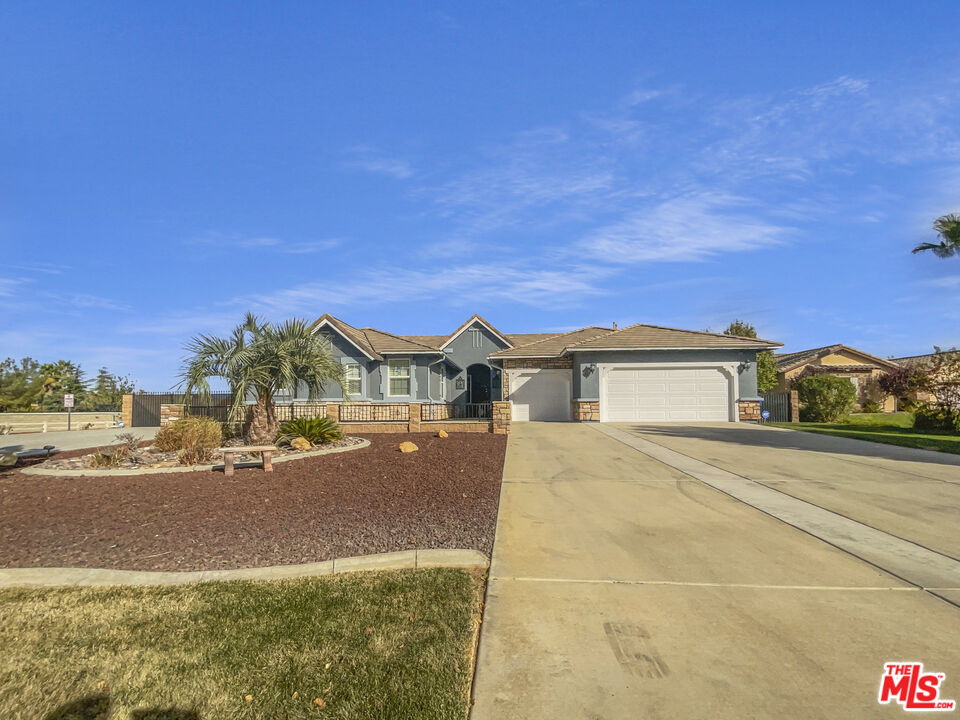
x=266 y=453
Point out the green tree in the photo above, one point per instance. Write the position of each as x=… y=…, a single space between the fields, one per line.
x=106 y=392
x=19 y=384
x=257 y=361
x=58 y=378
x=766 y=364
x=947 y=228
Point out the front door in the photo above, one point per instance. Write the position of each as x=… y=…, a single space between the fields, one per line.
x=478 y=384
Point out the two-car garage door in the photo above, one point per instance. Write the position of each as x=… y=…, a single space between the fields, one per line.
x=637 y=394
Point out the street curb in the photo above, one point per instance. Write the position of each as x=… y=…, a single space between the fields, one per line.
x=38 y=470
x=404 y=560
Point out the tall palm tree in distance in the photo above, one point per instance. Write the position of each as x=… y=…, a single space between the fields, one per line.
x=259 y=360
x=947 y=228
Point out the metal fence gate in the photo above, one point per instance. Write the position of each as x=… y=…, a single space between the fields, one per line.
x=778 y=403
x=146 y=405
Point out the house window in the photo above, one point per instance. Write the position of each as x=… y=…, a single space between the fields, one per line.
x=398 y=376
x=476 y=337
x=351 y=373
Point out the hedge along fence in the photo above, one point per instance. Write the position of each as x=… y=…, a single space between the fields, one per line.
x=24 y=422
x=377 y=417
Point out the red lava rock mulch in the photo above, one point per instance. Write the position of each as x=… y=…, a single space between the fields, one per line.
x=371 y=500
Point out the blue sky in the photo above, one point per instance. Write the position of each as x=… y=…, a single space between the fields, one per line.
x=165 y=167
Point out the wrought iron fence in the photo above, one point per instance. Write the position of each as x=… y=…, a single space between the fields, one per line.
x=374 y=412
x=455 y=411
x=778 y=403
x=146 y=405
x=300 y=410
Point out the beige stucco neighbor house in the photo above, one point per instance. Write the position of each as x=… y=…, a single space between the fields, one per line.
x=840 y=360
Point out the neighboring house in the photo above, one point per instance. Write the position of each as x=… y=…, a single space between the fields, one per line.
x=859 y=367
x=638 y=373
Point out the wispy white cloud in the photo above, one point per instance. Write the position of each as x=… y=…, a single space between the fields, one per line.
x=685 y=228
x=369 y=159
x=275 y=245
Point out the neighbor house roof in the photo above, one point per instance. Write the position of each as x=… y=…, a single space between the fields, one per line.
x=789 y=361
x=915 y=359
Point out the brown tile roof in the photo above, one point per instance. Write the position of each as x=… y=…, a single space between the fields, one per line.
x=644 y=337
x=552 y=346
x=921 y=359
x=351 y=333
x=385 y=342
x=788 y=361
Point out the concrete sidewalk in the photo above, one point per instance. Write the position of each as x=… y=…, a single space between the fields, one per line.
x=622 y=587
x=32 y=443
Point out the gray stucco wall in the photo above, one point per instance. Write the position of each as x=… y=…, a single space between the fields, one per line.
x=344 y=352
x=586 y=384
x=464 y=354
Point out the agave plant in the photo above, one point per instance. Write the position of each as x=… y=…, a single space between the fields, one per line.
x=947 y=228
x=258 y=360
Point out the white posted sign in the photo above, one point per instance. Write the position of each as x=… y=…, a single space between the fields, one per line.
x=68 y=400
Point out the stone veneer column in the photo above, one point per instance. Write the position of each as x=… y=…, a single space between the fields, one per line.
x=170 y=412
x=126 y=410
x=333 y=411
x=749 y=410
x=500 y=424
x=794 y=406
x=586 y=410
x=413 y=424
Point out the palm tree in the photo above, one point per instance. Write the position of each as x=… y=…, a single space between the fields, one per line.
x=259 y=360
x=948 y=228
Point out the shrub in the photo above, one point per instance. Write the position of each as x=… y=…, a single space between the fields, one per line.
x=936 y=418
x=130 y=441
x=194 y=438
x=825 y=398
x=317 y=430
x=870 y=407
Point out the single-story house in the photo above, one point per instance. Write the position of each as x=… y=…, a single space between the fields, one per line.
x=642 y=373
x=842 y=361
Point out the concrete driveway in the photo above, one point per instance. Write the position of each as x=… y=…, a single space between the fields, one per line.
x=32 y=443
x=661 y=572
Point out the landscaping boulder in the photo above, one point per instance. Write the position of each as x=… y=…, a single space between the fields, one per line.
x=407 y=447
x=300 y=443
x=442 y=433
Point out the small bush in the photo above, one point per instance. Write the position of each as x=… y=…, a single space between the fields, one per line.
x=317 y=430
x=194 y=438
x=870 y=407
x=936 y=418
x=109 y=457
x=130 y=441
x=825 y=398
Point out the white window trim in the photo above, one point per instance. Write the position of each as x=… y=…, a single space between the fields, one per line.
x=348 y=363
x=443 y=385
x=409 y=377
x=729 y=369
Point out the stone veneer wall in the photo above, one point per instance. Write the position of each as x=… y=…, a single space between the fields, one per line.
x=749 y=410
x=549 y=363
x=126 y=410
x=586 y=410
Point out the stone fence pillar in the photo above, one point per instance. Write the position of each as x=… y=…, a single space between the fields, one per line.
x=413 y=424
x=126 y=410
x=170 y=412
x=333 y=411
x=794 y=406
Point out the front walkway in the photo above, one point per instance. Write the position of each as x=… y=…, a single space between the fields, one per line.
x=622 y=587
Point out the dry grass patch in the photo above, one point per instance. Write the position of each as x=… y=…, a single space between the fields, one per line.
x=369 y=645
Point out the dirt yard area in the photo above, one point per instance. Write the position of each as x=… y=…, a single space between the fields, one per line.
x=371 y=500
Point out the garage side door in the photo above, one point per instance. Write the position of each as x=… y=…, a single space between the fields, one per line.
x=666 y=395
x=540 y=394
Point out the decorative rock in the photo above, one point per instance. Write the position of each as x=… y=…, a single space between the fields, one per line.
x=300 y=443
x=407 y=447
x=442 y=433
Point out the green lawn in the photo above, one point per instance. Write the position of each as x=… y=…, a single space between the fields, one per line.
x=368 y=645
x=889 y=428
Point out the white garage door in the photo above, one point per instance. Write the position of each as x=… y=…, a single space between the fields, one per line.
x=665 y=394
x=540 y=394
